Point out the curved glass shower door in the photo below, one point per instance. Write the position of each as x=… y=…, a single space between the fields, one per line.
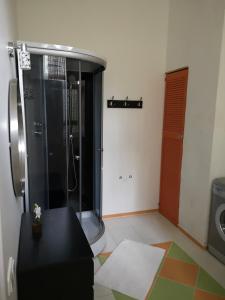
x=45 y=94
x=91 y=77
x=36 y=133
x=84 y=124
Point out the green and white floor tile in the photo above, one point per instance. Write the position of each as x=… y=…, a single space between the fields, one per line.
x=179 y=278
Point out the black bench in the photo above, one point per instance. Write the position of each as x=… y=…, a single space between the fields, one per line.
x=59 y=264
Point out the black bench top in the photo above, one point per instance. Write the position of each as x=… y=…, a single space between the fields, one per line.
x=62 y=241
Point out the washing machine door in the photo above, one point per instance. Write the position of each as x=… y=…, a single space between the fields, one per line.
x=220 y=220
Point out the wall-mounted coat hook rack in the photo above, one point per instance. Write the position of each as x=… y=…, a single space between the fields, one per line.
x=124 y=103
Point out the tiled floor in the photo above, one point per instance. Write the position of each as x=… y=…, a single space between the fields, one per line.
x=151 y=229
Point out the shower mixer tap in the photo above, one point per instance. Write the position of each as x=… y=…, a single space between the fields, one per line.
x=37 y=124
x=37 y=132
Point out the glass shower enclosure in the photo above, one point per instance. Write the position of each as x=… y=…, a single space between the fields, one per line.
x=61 y=92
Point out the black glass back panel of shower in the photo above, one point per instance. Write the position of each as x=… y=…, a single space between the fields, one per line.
x=52 y=128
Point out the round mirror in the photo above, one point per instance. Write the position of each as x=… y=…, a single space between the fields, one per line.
x=16 y=139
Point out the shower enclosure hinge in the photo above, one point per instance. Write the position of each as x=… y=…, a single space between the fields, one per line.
x=24 y=57
x=11 y=50
x=23 y=54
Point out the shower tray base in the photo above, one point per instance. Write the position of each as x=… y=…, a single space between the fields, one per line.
x=94 y=231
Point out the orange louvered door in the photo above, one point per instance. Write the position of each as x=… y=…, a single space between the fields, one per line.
x=172 y=143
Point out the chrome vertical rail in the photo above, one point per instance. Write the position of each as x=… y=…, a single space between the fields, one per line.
x=80 y=144
x=67 y=141
x=102 y=147
x=20 y=74
x=45 y=130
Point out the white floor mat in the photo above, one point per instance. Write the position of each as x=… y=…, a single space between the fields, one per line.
x=131 y=268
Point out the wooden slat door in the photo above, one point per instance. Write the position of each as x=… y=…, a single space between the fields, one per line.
x=172 y=143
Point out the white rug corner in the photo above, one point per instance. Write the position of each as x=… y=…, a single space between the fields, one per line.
x=131 y=268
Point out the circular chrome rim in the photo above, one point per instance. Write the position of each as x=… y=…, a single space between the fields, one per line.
x=16 y=139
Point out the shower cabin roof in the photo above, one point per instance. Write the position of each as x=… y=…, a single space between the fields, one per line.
x=60 y=50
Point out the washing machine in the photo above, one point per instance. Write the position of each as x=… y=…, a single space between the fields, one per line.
x=216 y=236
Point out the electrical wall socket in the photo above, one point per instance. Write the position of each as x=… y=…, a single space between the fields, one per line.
x=11 y=275
x=125 y=177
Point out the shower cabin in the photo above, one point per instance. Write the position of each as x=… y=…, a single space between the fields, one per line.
x=61 y=97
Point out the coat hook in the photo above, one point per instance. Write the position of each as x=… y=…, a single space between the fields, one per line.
x=112 y=97
x=126 y=98
x=140 y=98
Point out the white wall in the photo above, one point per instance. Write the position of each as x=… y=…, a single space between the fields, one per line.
x=2 y=271
x=10 y=208
x=218 y=146
x=132 y=35
x=194 y=40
